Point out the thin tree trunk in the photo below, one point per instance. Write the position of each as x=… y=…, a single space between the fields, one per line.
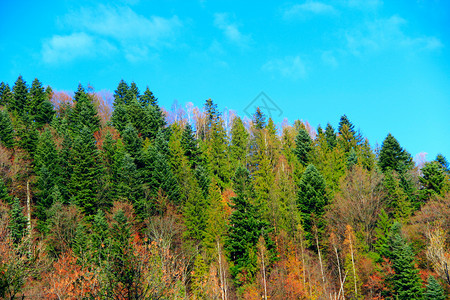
x=353 y=265
x=340 y=274
x=28 y=210
x=264 y=274
x=320 y=261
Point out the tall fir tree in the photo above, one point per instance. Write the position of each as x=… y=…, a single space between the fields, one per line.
x=84 y=113
x=434 y=290
x=259 y=120
x=18 y=222
x=245 y=229
x=443 y=162
x=20 y=99
x=39 y=107
x=6 y=95
x=6 y=130
x=86 y=172
x=312 y=200
x=393 y=156
x=303 y=146
x=239 y=143
x=406 y=280
x=330 y=136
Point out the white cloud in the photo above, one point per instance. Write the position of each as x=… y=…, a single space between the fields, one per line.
x=65 y=48
x=289 y=67
x=230 y=30
x=133 y=35
x=383 y=34
x=124 y=25
x=363 y=4
x=309 y=8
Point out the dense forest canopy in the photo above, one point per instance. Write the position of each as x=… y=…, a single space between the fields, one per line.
x=136 y=202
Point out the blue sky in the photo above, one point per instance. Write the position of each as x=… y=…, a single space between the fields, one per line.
x=386 y=64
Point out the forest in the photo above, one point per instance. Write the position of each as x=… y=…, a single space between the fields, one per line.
x=135 y=201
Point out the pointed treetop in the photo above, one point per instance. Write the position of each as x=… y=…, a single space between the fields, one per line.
x=259 y=120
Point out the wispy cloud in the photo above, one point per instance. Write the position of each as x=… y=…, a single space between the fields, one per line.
x=65 y=48
x=289 y=67
x=230 y=30
x=387 y=34
x=133 y=34
x=363 y=4
x=307 y=9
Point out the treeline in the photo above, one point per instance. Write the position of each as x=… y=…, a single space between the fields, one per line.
x=136 y=202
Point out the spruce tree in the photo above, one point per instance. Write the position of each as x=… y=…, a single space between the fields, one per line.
x=120 y=94
x=406 y=280
x=303 y=146
x=84 y=113
x=39 y=107
x=434 y=290
x=259 y=120
x=190 y=146
x=312 y=199
x=239 y=142
x=18 y=222
x=20 y=99
x=393 y=156
x=195 y=215
x=4 y=195
x=6 y=95
x=245 y=228
x=86 y=172
x=330 y=136
x=6 y=130
x=432 y=180
x=132 y=142
x=443 y=162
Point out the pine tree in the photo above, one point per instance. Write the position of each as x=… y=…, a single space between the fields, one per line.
x=194 y=213
x=434 y=290
x=443 y=162
x=239 y=142
x=6 y=130
x=84 y=113
x=406 y=280
x=190 y=146
x=86 y=172
x=4 y=195
x=20 y=100
x=330 y=136
x=6 y=95
x=311 y=202
x=18 y=222
x=244 y=230
x=433 y=180
x=303 y=146
x=393 y=156
x=259 y=120
x=46 y=185
x=39 y=107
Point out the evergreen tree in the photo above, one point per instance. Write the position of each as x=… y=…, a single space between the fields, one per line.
x=245 y=229
x=352 y=159
x=18 y=222
x=195 y=215
x=432 y=180
x=84 y=113
x=217 y=153
x=6 y=95
x=406 y=280
x=259 y=120
x=434 y=290
x=148 y=98
x=190 y=146
x=39 y=107
x=100 y=238
x=128 y=182
x=48 y=180
x=311 y=201
x=20 y=100
x=344 y=121
x=4 y=195
x=443 y=162
x=119 y=117
x=303 y=146
x=393 y=156
x=120 y=94
x=27 y=134
x=132 y=142
x=330 y=136
x=239 y=142
x=86 y=172
x=6 y=130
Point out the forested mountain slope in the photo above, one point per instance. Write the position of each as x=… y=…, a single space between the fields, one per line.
x=135 y=202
